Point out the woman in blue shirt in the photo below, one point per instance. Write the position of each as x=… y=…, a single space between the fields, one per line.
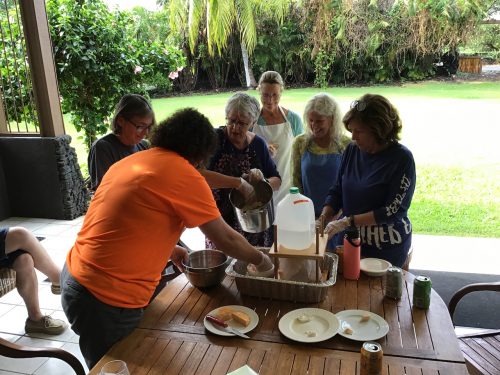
x=376 y=182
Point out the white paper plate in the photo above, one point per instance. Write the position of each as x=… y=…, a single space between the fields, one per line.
x=375 y=328
x=322 y=322
x=245 y=370
x=214 y=328
x=374 y=266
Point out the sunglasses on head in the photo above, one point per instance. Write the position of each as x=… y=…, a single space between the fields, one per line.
x=358 y=105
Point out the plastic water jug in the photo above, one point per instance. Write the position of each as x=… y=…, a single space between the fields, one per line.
x=295 y=221
x=352 y=253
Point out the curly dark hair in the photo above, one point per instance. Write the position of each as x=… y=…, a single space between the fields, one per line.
x=188 y=133
x=379 y=115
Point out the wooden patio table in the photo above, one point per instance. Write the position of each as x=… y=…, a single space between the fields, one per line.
x=172 y=339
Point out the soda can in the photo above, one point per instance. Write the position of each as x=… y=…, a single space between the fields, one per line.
x=371 y=359
x=422 y=292
x=393 y=283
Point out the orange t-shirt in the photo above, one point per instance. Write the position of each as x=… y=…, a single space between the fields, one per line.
x=134 y=220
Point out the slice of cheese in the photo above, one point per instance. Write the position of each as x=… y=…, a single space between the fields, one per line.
x=241 y=318
x=225 y=313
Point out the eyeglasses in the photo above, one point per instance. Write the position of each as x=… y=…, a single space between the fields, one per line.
x=359 y=105
x=270 y=96
x=140 y=128
x=232 y=122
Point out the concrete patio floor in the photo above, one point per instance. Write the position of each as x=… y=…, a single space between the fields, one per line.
x=450 y=254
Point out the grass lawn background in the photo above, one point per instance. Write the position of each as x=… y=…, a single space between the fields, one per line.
x=453 y=130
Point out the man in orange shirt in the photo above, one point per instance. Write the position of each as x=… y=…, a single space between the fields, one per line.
x=131 y=229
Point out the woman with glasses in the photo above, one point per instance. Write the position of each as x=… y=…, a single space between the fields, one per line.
x=132 y=122
x=316 y=154
x=240 y=152
x=278 y=126
x=375 y=183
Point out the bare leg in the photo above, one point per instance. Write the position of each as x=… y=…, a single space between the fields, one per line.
x=27 y=285
x=21 y=238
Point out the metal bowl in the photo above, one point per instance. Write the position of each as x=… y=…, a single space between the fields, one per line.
x=258 y=219
x=206 y=268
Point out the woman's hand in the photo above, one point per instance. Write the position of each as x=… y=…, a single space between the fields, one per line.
x=264 y=269
x=273 y=149
x=255 y=175
x=246 y=190
x=327 y=213
x=179 y=255
x=336 y=226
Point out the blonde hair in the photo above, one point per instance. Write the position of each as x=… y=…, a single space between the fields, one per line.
x=324 y=105
x=271 y=77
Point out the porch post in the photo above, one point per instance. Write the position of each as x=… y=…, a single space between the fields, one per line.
x=3 y=119
x=41 y=59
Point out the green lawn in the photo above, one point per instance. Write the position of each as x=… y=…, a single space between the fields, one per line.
x=452 y=129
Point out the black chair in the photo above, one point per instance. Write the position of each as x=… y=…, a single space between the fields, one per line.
x=480 y=347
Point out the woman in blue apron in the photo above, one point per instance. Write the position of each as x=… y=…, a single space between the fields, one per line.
x=316 y=154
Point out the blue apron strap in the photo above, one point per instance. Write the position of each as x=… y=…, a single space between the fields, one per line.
x=319 y=173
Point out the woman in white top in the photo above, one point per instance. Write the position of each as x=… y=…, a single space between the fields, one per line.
x=278 y=126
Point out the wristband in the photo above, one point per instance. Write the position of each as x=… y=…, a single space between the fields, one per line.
x=351 y=220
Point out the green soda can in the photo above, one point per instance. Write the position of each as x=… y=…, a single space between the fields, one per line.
x=422 y=292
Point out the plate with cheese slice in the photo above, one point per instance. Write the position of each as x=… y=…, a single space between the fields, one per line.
x=236 y=316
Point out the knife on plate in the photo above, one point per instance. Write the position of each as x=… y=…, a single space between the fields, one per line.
x=226 y=326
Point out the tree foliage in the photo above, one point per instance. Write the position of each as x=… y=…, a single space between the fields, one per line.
x=485 y=41
x=212 y=22
x=381 y=40
x=15 y=74
x=99 y=59
x=284 y=47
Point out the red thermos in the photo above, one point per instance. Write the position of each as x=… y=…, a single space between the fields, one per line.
x=352 y=253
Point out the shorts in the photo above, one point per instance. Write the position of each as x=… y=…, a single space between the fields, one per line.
x=6 y=260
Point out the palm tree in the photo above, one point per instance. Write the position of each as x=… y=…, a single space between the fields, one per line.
x=220 y=18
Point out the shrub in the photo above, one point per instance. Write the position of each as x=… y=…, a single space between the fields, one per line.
x=98 y=60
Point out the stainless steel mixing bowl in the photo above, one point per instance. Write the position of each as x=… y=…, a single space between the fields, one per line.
x=206 y=268
x=257 y=219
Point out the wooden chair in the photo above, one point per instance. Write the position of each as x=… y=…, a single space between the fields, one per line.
x=480 y=347
x=12 y=350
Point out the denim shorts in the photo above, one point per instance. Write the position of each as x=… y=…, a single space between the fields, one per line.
x=7 y=260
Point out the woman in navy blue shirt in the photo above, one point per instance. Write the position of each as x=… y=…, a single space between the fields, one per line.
x=376 y=182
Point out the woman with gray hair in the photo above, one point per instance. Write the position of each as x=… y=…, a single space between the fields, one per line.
x=239 y=153
x=132 y=122
x=316 y=154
